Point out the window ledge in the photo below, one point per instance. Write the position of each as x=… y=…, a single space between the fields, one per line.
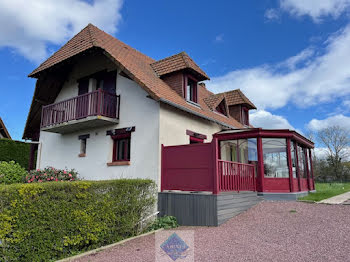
x=119 y=163
x=82 y=155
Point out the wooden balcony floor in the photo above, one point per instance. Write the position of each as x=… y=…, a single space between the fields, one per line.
x=80 y=124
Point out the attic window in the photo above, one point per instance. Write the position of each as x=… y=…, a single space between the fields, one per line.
x=221 y=108
x=245 y=116
x=191 y=89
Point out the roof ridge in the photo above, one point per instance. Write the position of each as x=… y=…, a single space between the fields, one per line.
x=90 y=34
x=120 y=42
x=168 y=57
x=185 y=55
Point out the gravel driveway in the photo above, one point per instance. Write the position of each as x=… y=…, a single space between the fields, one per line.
x=270 y=231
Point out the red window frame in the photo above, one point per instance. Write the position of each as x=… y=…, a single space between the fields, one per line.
x=117 y=140
x=196 y=140
x=194 y=87
x=245 y=116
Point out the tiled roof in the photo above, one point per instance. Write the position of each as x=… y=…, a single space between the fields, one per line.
x=234 y=97
x=178 y=62
x=137 y=66
x=3 y=130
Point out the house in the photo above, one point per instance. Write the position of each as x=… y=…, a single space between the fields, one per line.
x=109 y=111
x=3 y=130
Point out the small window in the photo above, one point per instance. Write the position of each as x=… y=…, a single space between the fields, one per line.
x=121 y=147
x=245 y=116
x=221 y=108
x=83 y=141
x=191 y=90
x=83 y=146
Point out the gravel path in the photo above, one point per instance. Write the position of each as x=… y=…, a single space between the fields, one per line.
x=270 y=231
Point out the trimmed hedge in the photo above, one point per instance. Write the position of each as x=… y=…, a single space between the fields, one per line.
x=11 y=150
x=11 y=173
x=49 y=221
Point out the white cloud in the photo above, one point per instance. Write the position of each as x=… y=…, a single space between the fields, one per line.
x=346 y=104
x=29 y=26
x=219 y=38
x=267 y=120
x=311 y=77
x=337 y=120
x=272 y=14
x=316 y=9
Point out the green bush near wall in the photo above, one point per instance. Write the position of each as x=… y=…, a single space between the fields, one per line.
x=11 y=150
x=49 y=221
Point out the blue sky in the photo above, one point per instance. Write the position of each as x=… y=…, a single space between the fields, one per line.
x=291 y=58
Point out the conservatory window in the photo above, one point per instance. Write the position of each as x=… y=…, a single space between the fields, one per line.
x=275 y=158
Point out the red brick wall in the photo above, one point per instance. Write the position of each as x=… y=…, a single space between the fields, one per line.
x=175 y=81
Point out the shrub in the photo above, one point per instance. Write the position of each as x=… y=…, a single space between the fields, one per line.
x=164 y=222
x=49 y=221
x=11 y=172
x=11 y=150
x=50 y=174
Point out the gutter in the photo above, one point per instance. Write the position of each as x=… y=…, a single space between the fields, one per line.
x=195 y=113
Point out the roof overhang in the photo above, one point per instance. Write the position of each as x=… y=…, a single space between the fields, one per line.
x=264 y=133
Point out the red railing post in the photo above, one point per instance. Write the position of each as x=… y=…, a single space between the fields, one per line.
x=215 y=150
x=290 y=165
x=260 y=175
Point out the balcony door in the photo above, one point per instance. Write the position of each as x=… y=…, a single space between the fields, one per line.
x=82 y=103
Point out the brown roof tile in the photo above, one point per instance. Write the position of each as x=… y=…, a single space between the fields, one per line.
x=234 y=97
x=139 y=67
x=177 y=62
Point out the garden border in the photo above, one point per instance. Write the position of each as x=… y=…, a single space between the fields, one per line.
x=94 y=251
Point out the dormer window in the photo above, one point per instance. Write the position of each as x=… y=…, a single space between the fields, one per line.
x=245 y=116
x=191 y=89
x=221 y=108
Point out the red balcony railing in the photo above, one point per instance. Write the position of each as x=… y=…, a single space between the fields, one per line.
x=235 y=176
x=97 y=103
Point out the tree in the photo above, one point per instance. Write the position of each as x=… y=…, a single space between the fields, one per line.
x=336 y=141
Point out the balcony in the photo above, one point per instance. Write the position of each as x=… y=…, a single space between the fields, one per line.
x=90 y=110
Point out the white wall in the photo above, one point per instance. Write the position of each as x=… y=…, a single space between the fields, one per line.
x=174 y=123
x=137 y=110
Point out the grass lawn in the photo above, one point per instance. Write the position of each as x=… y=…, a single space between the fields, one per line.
x=327 y=190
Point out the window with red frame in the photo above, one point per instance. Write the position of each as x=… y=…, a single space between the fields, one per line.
x=245 y=116
x=191 y=89
x=121 y=147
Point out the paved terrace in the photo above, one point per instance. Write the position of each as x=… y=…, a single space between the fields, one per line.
x=270 y=231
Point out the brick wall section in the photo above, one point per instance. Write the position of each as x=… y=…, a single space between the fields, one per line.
x=175 y=81
x=235 y=112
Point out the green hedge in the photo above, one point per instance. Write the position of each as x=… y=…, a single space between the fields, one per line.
x=49 y=221
x=11 y=150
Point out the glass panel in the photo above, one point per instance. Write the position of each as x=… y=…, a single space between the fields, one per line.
x=228 y=150
x=128 y=148
x=83 y=146
x=242 y=150
x=121 y=149
x=294 y=161
x=308 y=160
x=302 y=162
x=275 y=157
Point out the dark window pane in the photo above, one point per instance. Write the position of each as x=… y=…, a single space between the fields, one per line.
x=122 y=149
